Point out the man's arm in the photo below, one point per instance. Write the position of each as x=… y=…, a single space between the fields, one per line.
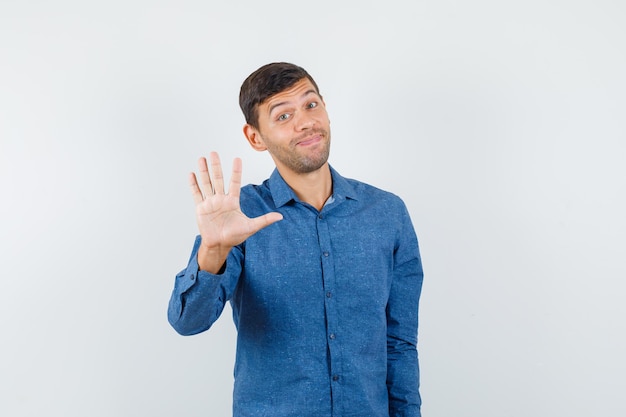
x=221 y=223
x=202 y=289
x=402 y=323
x=199 y=297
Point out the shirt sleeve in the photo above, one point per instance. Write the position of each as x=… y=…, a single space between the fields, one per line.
x=199 y=297
x=402 y=323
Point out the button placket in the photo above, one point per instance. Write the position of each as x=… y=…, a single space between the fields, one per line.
x=328 y=277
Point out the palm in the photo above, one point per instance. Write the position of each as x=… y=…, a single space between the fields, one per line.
x=220 y=220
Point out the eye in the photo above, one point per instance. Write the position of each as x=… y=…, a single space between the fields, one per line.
x=312 y=105
x=283 y=117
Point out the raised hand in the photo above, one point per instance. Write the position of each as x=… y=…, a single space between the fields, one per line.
x=221 y=223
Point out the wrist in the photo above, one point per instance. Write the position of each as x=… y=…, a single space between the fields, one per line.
x=212 y=258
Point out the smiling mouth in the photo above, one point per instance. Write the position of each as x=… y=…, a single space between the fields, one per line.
x=310 y=140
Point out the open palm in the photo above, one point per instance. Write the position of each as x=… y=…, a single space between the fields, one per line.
x=220 y=220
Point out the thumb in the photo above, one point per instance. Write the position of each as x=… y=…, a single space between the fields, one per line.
x=265 y=220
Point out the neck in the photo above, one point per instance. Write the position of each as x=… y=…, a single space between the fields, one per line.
x=313 y=188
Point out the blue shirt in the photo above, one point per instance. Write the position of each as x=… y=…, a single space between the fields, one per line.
x=325 y=304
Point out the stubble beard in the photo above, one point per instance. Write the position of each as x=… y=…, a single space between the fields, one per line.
x=297 y=161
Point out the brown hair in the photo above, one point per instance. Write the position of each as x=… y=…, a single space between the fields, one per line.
x=265 y=82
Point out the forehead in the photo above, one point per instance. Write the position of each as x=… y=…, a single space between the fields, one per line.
x=298 y=91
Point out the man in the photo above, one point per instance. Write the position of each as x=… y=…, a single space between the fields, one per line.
x=323 y=273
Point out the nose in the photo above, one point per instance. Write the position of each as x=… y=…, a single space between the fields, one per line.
x=304 y=121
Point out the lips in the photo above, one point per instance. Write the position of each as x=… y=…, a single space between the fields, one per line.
x=311 y=140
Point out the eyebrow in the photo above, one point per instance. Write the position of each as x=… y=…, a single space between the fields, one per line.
x=306 y=93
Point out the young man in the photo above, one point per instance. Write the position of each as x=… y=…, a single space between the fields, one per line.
x=323 y=273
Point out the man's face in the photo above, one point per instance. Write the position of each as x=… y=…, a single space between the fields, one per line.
x=294 y=128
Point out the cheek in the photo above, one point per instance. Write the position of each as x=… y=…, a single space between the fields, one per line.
x=323 y=117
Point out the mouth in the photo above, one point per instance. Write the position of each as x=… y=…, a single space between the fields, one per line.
x=310 y=140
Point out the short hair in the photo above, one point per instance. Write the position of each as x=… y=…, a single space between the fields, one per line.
x=265 y=82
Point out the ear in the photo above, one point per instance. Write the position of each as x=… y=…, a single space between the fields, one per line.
x=254 y=137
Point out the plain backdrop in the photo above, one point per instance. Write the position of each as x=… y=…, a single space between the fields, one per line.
x=500 y=123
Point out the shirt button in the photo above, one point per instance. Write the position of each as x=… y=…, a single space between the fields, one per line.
x=193 y=277
x=326 y=254
x=329 y=294
x=332 y=336
x=321 y=216
x=335 y=377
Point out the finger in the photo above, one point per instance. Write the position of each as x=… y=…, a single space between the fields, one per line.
x=265 y=220
x=216 y=171
x=195 y=190
x=205 y=180
x=235 y=179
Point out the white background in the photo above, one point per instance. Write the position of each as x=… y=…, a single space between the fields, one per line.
x=500 y=123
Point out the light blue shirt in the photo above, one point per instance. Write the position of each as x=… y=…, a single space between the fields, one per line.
x=325 y=304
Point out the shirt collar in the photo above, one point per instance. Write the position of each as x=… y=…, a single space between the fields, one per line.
x=282 y=193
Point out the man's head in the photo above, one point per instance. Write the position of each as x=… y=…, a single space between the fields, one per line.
x=265 y=82
x=287 y=117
